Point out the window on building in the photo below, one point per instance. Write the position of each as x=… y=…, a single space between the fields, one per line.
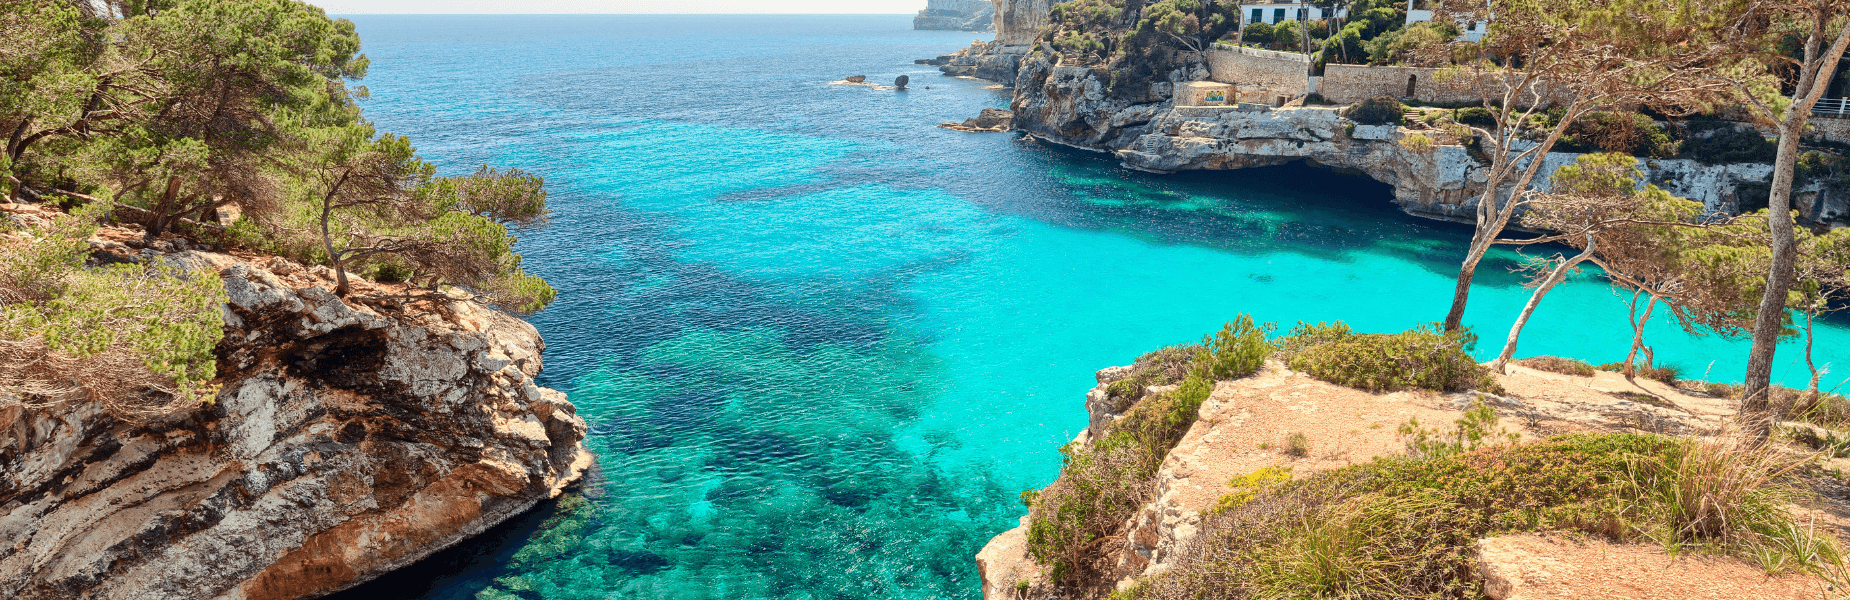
x=1258 y=15
x=1472 y=27
x=1278 y=14
x=1300 y=15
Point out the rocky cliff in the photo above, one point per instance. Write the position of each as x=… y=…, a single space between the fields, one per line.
x=1018 y=22
x=1078 y=106
x=348 y=440
x=955 y=15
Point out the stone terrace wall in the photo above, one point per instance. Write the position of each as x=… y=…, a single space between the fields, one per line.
x=1830 y=129
x=1280 y=72
x=1344 y=84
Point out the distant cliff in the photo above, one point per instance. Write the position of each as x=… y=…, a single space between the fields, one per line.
x=956 y=15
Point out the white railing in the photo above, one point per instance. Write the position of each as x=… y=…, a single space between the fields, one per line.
x=1832 y=107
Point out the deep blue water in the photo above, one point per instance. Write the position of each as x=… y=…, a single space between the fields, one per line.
x=823 y=345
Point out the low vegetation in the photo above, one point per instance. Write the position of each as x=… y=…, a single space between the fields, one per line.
x=1102 y=483
x=1665 y=374
x=1376 y=111
x=1420 y=358
x=137 y=339
x=1403 y=527
x=170 y=116
x=1167 y=366
x=1556 y=364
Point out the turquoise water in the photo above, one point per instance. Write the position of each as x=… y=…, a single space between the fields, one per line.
x=823 y=345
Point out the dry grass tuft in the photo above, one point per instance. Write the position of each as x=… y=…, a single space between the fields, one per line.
x=1557 y=364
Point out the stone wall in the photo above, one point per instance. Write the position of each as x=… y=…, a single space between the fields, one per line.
x=1018 y=22
x=1277 y=72
x=1829 y=129
x=1345 y=84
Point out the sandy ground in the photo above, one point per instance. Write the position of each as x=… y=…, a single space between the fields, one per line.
x=1530 y=567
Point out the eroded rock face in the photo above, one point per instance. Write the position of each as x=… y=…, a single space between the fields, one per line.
x=346 y=442
x=1018 y=22
x=1078 y=106
x=984 y=60
x=955 y=15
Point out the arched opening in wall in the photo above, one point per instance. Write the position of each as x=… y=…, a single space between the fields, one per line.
x=1413 y=82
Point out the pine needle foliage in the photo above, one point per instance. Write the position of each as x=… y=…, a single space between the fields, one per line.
x=137 y=339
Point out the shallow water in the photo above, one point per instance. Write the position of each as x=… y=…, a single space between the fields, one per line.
x=822 y=344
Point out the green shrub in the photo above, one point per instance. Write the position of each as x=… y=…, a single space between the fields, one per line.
x=1743 y=145
x=1556 y=364
x=1297 y=445
x=1404 y=528
x=1475 y=429
x=1166 y=366
x=1376 y=111
x=1829 y=410
x=1304 y=335
x=136 y=339
x=1238 y=349
x=1420 y=358
x=1623 y=132
x=1476 y=115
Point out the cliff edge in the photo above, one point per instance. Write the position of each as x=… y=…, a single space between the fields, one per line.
x=347 y=440
x=1279 y=418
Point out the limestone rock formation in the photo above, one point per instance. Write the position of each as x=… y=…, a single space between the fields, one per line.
x=1077 y=106
x=1018 y=22
x=984 y=60
x=990 y=120
x=347 y=441
x=955 y=15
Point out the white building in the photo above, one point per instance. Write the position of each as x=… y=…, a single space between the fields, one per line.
x=1468 y=31
x=1272 y=13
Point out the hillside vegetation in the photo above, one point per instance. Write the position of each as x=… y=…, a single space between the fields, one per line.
x=221 y=124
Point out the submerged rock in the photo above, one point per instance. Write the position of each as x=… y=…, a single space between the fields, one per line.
x=347 y=441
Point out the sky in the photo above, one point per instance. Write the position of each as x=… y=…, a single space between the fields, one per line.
x=529 y=7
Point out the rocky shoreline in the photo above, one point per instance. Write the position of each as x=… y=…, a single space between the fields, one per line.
x=349 y=439
x=1147 y=130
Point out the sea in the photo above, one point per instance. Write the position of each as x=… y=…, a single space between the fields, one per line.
x=822 y=344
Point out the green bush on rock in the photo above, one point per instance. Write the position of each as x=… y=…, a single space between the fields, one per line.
x=1376 y=111
x=136 y=339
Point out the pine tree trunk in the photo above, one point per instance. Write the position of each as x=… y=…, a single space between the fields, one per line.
x=1554 y=277
x=1811 y=390
x=1757 y=411
x=1638 y=333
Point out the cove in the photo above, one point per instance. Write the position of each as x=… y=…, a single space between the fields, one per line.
x=823 y=344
